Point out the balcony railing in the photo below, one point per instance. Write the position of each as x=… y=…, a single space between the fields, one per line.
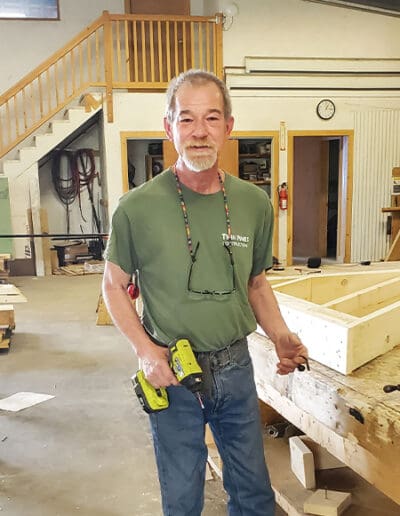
x=136 y=52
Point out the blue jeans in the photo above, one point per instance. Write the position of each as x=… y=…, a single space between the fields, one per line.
x=231 y=409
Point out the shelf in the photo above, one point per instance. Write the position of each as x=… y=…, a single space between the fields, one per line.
x=259 y=181
x=254 y=156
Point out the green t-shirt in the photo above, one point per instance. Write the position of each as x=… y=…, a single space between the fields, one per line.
x=148 y=238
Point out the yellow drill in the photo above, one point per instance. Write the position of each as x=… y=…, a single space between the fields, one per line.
x=186 y=369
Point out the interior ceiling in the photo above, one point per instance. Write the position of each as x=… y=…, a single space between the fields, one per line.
x=388 y=7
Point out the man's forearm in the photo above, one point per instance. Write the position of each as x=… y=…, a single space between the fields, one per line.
x=126 y=318
x=265 y=307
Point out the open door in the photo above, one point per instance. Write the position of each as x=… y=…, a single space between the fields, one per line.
x=319 y=197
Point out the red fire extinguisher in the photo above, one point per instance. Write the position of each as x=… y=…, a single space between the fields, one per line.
x=283 y=196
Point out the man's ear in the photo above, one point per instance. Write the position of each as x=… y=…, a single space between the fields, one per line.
x=229 y=126
x=168 y=129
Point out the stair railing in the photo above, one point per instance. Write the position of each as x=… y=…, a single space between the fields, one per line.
x=135 y=52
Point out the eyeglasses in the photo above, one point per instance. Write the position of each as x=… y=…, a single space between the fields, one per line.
x=212 y=292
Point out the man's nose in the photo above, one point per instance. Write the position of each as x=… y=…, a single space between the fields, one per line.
x=200 y=129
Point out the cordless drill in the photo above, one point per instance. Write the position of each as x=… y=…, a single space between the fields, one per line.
x=186 y=369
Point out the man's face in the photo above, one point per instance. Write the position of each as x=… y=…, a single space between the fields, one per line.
x=199 y=128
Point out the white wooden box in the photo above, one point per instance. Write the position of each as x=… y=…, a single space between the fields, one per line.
x=345 y=319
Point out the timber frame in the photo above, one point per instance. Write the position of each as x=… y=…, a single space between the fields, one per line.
x=346 y=319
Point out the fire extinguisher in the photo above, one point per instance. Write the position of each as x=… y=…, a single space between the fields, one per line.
x=283 y=196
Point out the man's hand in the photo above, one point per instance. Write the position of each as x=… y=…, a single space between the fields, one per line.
x=156 y=369
x=291 y=352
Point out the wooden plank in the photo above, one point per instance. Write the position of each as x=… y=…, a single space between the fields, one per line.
x=368 y=300
x=319 y=404
x=326 y=287
x=7 y=316
x=10 y=294
x=394 y=251
x=44 y=228
x=302 y=462
x=103 y=317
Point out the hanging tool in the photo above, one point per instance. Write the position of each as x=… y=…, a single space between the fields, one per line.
x=302 y=367
x=186 y=369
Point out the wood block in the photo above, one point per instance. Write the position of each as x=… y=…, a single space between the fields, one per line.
x=327 y=503
x=302 y=462
x=103 y=317
x=322 y=458
x=214 y=460
x=7 y=317
x=5 y=338
x=209 y=439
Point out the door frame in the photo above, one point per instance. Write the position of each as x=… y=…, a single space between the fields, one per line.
x=347 y=179
x=134 y=135
x=274 y=136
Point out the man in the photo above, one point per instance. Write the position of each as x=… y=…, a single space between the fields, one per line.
x=198 y=241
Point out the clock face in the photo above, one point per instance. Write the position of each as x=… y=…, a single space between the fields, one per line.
x=325 y=109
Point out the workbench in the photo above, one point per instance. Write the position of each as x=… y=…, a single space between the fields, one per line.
x=351 y=416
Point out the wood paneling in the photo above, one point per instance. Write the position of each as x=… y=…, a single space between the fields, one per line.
x=158 y=7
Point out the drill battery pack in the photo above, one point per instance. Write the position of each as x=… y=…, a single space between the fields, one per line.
x=151 y=399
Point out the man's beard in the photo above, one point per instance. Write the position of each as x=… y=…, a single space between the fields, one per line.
x=198 y=163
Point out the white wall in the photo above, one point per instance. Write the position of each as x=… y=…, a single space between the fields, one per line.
x=26 y=44
x=294 y=28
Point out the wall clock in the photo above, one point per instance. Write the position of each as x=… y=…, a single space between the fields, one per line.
x=326 y=109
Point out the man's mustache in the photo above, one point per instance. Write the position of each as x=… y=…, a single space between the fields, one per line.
x=195 y=144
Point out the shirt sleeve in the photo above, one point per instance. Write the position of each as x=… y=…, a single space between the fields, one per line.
x=120 y=247
x=262 y=252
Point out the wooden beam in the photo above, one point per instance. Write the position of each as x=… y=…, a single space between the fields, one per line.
x=319 y=404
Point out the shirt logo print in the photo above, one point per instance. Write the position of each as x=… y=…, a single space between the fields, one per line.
x=236 y=240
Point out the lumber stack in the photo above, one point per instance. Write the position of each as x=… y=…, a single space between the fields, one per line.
x=9 y=294
x=7 y=325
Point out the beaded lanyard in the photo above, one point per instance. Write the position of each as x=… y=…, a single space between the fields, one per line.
x=186 y=219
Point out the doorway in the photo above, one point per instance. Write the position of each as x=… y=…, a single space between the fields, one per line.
x=319 y=184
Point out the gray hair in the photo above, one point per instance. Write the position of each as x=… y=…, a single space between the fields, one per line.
x=196 y=78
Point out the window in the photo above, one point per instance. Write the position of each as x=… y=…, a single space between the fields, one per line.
x=29 y=9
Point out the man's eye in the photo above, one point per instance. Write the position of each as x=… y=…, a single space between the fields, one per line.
x=185 y=120
x=212 y=119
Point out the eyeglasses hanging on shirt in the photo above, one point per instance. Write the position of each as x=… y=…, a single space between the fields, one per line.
x=193 y=252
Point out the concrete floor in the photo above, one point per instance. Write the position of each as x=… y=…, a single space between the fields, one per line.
x=88 y=450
